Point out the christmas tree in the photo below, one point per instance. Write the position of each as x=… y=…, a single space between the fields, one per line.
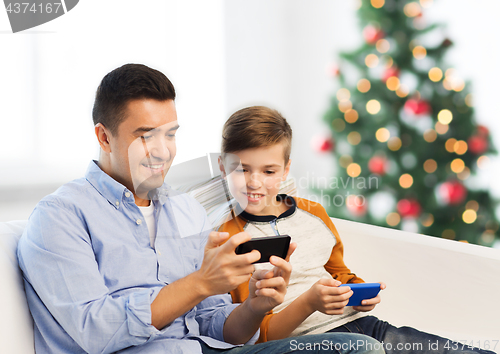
x=404 y=133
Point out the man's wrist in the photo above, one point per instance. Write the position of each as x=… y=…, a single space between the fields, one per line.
x=200 y=285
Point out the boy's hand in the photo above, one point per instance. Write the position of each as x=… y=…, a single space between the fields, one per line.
x=267 y=288
x=327 y=297
x=369 y=304
x=222 y=269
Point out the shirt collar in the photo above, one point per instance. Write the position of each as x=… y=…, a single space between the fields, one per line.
x=290 y=201
x=114 y=191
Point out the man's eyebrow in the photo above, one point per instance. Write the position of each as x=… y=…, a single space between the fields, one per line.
x=141 y=130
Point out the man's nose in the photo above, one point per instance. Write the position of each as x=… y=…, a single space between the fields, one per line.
x=160 y=149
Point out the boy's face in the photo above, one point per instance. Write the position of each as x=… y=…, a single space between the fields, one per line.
x=254 y=177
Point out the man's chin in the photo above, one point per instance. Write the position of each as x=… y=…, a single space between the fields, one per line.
x=150 y=183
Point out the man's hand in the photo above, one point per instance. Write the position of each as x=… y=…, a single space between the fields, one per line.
x=267 y=288
x=327 y=297
x=369 y=304
x=222 y=269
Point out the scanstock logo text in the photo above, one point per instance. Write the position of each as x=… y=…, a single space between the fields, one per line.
x=28 y=14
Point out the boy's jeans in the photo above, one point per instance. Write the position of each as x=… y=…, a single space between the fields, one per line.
x=337 y=343
x=406 y=340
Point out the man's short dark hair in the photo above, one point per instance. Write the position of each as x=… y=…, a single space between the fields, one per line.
x=126 y=83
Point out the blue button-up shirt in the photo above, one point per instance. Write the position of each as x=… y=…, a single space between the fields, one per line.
x=91 y=273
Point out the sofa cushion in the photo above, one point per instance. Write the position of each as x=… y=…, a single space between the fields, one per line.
x=16 y=325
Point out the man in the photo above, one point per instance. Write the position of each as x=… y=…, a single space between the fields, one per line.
x=117 y=261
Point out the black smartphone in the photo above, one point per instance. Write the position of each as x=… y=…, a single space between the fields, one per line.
x=267 y=246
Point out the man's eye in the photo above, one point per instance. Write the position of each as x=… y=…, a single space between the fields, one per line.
x=146 y=137
x=171 y=136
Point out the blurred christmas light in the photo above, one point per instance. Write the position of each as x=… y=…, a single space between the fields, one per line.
x=412 y=9
x=458 y=84
x=383 y=135
x=344 y=106
x=445 y=116
x=469 y=100
x=402 y=91
x=353 y=170
x=448 y=234
x=426 y=3
x=460 y=147
x=487 y=237
x=430 y=135
x=457 y=165
x=430 y=166
x=393 y=219
x=338 y=124
x=378 y=165
x=364 y=85
x=345 y=160
x=469 y=216
x=372 y=34
x=419 y=52
x=373 y=106
x=392 y=71
x=417 y=107
x=392 y=83
x=383 y=45
x=343 y=94
x=406 y=181
x=377 y=3
x=371 y=60
x=354 y=138
x=388 y=61
x=427 y=220
x=483 y=161
x=441 y=128
x=478 y=144
x=394 y=143
x=435 y=74
x=351 y=116
x=472 y=204
x=464 y=174
x=450 y=144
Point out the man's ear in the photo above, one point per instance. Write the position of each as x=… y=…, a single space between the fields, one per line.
x=221 y=167
x=103 y=137
x=287 y=170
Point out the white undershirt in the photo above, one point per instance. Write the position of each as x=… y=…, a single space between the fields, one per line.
x=149 y=217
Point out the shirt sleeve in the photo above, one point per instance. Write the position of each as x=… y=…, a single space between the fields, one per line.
x=56 y=256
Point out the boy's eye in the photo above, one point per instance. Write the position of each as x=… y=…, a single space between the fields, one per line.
x=240 y=170
x=269 y=172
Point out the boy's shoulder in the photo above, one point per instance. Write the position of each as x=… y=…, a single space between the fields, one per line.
x=310 y=206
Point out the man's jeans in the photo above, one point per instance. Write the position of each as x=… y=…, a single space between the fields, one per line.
x=405 y=340
x=337 y=343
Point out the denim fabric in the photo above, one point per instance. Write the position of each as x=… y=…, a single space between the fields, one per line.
x=338 y=343
x=405 y=340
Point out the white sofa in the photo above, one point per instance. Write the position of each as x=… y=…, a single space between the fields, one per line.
x=440 y=286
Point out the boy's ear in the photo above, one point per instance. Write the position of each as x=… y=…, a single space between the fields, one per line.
x=287 y=169
x=221 y=167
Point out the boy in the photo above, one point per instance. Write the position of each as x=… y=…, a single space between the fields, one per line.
x=256 y=144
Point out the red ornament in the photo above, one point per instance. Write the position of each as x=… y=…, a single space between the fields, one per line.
x=356 y=204
x=323 y=144
x=409 y=208
x=372 y=34
x=478 y=144
x=392 y=71
x=417 y=107
x=333 y=70
x=378 y=165
x=483 y=131
x=452 y=192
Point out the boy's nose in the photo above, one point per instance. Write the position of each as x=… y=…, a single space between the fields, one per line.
x=254 y=181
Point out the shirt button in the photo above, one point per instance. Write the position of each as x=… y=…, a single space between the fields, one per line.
x=117 y=203
x=127 y=194
x=138 y=221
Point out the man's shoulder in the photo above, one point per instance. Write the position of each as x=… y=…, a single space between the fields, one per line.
x=69 y=195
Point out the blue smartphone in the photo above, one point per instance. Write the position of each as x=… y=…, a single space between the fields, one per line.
x=362 y=291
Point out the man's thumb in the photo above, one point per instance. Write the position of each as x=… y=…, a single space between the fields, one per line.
x=215 y=239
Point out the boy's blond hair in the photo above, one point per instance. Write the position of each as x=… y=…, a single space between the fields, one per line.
x=254 y=127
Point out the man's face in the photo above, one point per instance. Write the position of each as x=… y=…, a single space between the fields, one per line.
x=143 y=148
x=254 y=177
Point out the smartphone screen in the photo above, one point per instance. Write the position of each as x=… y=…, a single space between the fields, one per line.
x=267 y=246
